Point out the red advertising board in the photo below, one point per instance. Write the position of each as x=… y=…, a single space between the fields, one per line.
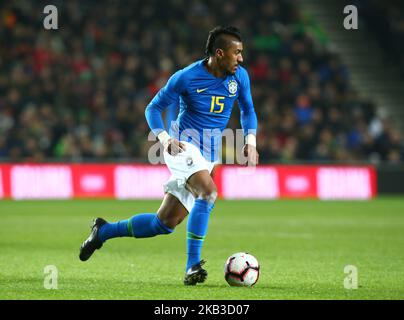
x=137 y=181
x=92 y=181
x=1 y=185
x=297 y=181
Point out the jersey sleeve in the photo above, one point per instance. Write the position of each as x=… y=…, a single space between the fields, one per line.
x=248 y=117
x=171 y=115
x=167 y=96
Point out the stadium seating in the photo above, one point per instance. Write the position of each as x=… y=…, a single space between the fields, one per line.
x=79 y=93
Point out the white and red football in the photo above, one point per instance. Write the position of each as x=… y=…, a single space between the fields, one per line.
x=241 y=269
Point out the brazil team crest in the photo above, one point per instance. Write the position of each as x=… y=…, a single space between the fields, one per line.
x=190 y=161
x=232 y=86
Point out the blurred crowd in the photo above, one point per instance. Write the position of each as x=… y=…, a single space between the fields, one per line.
x=79 y=93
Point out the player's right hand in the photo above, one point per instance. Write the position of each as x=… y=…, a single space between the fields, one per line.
x=173 y=147
x=252 y=155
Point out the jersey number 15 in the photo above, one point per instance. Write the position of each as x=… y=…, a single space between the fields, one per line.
x=216 y=106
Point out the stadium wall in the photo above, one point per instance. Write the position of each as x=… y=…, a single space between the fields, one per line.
x=390 y=179
x=137 y=181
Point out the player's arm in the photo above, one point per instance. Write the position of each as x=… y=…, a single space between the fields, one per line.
x=167 y=96
x=248 y=119
x=171 y=115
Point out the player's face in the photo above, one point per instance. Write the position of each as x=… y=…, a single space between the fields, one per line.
x=232 y=57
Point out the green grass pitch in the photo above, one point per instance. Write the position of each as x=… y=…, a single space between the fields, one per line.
x=302 y=246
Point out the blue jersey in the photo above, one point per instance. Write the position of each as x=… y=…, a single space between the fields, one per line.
x=205 y=106
x=171 y=115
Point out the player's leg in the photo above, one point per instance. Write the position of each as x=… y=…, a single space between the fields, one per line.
x=142 y=225
x=204 y=190
x=172 y=211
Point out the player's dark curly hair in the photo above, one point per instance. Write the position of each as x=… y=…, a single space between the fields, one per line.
x=217 y=41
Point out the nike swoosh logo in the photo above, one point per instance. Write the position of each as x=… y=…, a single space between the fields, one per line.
x=201 y=90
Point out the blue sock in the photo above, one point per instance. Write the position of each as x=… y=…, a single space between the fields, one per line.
x=139 y=226
x=147 y=225
x=113 y=230
x=197 y=228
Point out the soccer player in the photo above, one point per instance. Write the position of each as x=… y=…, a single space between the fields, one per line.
x=205 y=91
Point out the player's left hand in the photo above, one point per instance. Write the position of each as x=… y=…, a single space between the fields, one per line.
x=252 y=154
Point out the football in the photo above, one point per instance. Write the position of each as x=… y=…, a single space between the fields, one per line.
x=242 y=270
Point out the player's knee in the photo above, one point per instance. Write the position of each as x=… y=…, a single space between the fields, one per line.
x=209 y=194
